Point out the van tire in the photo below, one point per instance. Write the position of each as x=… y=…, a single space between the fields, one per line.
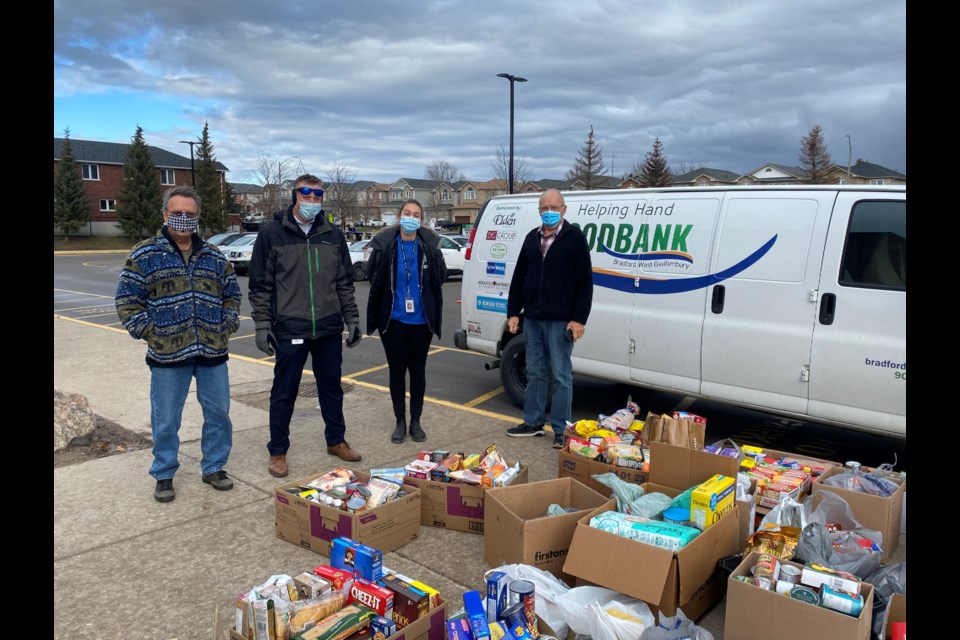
x=513 y=372
x=359 y=273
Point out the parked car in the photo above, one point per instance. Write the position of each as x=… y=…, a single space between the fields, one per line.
x=358 y=257
x=223 y=238
x=376 y=223
x=463 y=241
x=453 y=255
x=239 y=251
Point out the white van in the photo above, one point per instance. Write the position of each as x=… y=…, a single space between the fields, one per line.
x=789 y=300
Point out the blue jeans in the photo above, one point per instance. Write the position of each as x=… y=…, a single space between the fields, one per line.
x=549 y=353
x=168 y=393
x=326 y=355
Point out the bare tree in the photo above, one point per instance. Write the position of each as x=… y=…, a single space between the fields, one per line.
x=814 y=156
x=588 y=166
x=443 y=171
x=501 y=169
x=271 y=172
x=342 y=200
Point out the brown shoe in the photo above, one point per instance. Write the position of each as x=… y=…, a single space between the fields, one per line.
x=344 y=452
x=278 y=466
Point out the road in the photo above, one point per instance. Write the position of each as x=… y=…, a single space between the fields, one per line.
x=84 y=287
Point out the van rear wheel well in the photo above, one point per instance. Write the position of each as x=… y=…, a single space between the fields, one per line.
x=513 y=371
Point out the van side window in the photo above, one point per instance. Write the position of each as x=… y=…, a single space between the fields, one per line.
x=875 y=254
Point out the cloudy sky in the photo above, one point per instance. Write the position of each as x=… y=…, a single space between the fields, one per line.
x=387 y=87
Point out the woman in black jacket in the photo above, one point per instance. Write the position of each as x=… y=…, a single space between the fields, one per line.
x=406 y=271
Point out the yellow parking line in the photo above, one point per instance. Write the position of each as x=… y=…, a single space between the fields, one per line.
x=82 y=293
x=483 y=398
x=89 y=324
x=353 y=376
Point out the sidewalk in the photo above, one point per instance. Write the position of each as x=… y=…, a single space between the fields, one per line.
x=126 y=566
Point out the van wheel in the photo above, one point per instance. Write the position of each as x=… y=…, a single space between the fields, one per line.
x=359 y=273
x=513 y=372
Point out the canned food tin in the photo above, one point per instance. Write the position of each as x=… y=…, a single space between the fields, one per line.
x=852 y=465
x=804 y=594
x=356 y=503
x=743 y=578
x=763 y=583
x=514 y=615
x=677 y=515
x=523 y=591
x=767 y=566
x=848 y=603
x=789 y=573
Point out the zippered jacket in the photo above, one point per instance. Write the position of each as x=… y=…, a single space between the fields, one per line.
x=558 y=286
x=182 y=310
x=303 y=284
x=382 y=270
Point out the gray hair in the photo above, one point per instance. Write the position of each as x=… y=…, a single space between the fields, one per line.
x=182 y=191
x=556 y=191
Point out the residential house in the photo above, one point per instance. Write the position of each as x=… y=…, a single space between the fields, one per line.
x=539 y=186
x=865 y=173
x=705 y=177
x=469 y=196
x=247 y=196
x=404 y=189
x=101 y=167
x=375 y=197
x=774 y=174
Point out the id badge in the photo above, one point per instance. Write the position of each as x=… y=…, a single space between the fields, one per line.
x=408 y=305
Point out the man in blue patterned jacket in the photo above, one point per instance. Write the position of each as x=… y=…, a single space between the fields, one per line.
x=181 y=296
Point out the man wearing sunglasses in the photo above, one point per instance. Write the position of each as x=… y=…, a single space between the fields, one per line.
x=180 y=295
x=301 y=292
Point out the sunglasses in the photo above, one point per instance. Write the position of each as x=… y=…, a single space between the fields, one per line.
x=307 y=191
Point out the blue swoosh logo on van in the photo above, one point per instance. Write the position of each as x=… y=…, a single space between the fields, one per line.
x=625 y=282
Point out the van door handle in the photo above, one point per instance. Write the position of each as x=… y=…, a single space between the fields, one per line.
x=828 y=307
x=716 y=303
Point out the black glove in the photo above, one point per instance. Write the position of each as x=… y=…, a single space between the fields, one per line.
x=353 y=334
x=265 y=340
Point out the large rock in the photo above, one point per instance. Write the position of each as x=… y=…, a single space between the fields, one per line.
x=73 y=419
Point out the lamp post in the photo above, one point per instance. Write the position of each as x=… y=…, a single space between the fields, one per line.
x=849 y=155
x=512 y=79
x=193 y=177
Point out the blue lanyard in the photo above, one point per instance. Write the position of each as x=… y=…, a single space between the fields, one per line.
x=407 y=264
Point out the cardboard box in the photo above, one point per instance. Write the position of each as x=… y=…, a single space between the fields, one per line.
x=430 y=627
x=665 y=580
x=751 y=611
x=313 y=526
x=896 y=611
x=571 y=465
x=454 y=505
x=876 y=513
x=517 y=529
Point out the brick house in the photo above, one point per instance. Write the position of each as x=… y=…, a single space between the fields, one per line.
x=101 y=167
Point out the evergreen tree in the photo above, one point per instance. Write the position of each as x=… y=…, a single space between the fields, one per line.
x=232 y=204
x=71 y=209
x=814 y=156
x=213 y=212
x=654 y=171
x=589 y=164
x=140 y=210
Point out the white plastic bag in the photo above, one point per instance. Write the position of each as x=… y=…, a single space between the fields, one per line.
x=678 y=627
x=586 y=610
x=547 y=589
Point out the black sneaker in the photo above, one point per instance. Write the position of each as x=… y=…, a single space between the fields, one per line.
x=164 y=491
x=524 y=430
x=219 y=480
x=558 y=441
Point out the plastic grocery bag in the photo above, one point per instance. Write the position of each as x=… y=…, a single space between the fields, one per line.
x=547 y=588
x=624 y=492
x=603 y=614
x=787 y=513
x=886 y=581
x=678 y=627
x=837 y=549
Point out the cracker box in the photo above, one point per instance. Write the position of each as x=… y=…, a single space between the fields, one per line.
x=711 y=500
x=372 y=595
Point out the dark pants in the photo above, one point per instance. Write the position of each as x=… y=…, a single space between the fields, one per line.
x=406 y=346
x=327 y=357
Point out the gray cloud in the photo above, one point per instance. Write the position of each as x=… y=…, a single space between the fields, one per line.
x=388 y=87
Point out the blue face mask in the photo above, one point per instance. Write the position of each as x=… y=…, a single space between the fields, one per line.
x=409 y=224
x=550 y=218
x=309 y=210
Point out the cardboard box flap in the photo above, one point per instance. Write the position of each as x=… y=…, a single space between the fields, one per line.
x=697 y=563
x=596 y=553
x=683 y=468
x=530 y=501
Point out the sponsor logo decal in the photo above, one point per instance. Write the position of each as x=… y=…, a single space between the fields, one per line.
x=498 y=251
x=491 y=304
x=496 y=269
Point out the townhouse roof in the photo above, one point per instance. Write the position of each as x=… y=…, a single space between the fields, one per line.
x=94 y=151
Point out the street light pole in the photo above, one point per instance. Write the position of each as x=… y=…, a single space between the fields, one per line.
x=849 y=155
x=193 y=177
x=512 y=79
